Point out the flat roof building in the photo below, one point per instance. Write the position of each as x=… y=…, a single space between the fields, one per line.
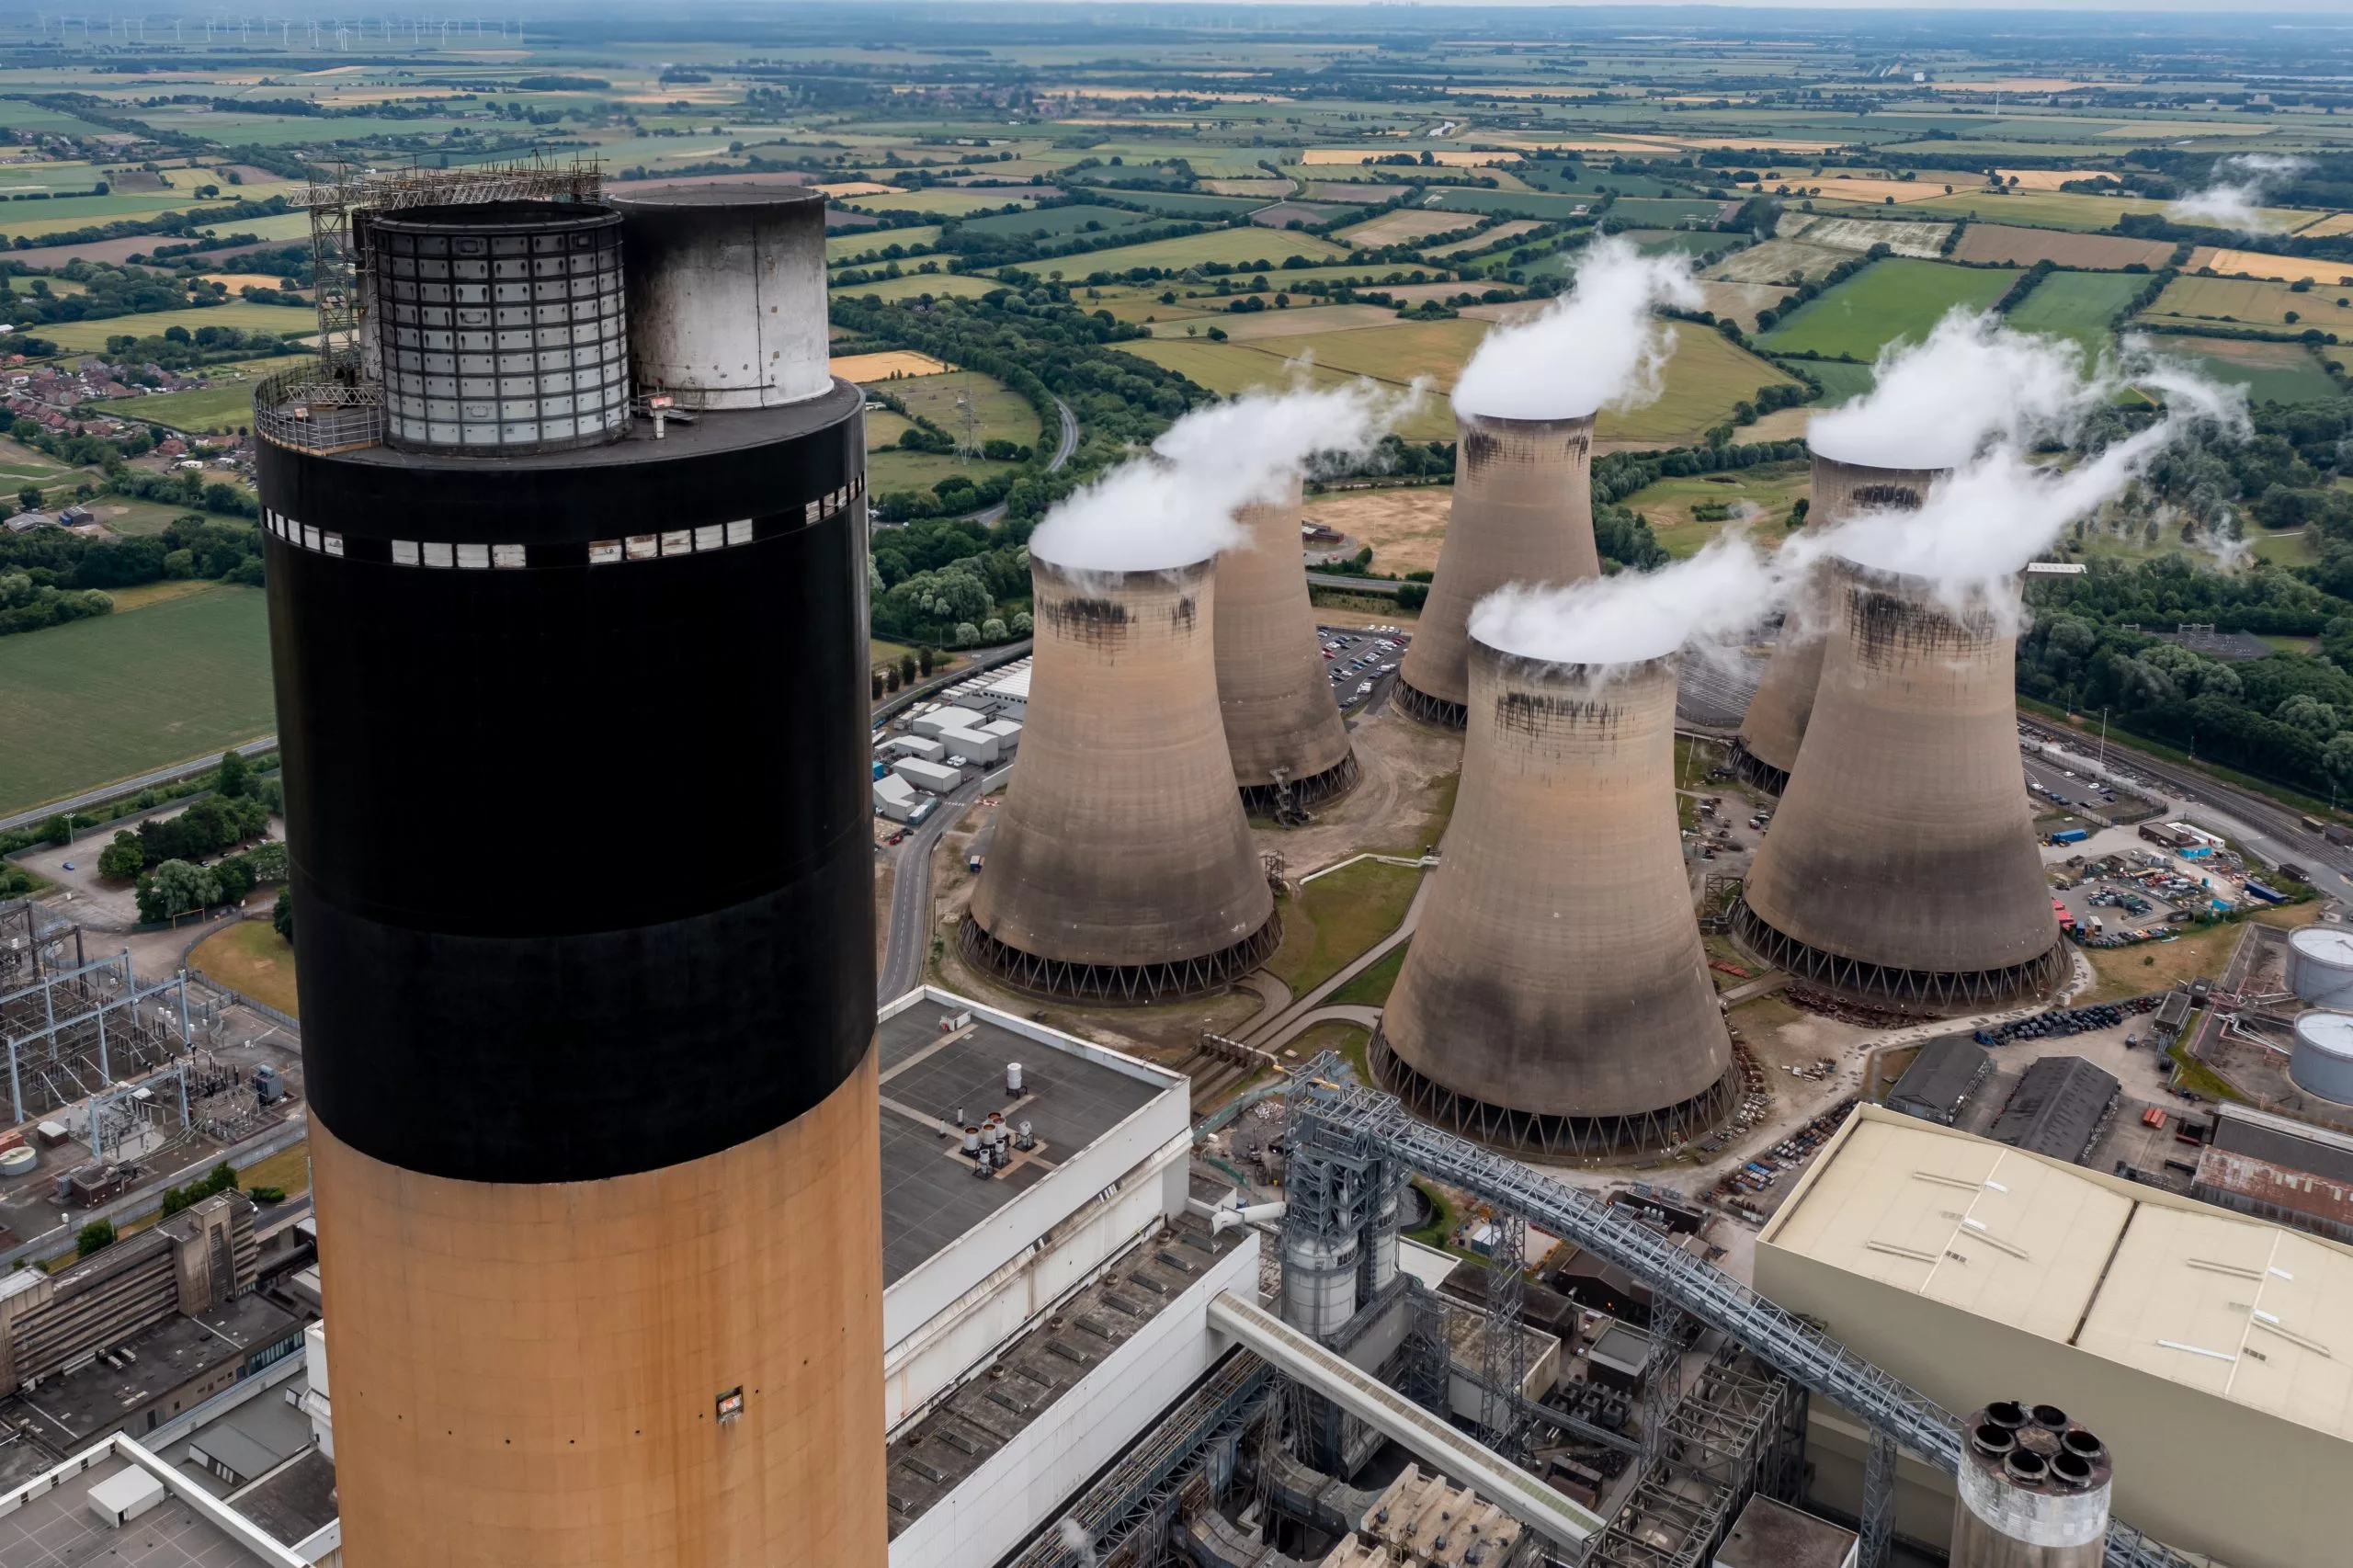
x=1944 y=1074
x=928 y=776
x=1959 y=1265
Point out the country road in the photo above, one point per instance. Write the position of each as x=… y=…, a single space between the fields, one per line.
x=120 y=787
x=1066 y=444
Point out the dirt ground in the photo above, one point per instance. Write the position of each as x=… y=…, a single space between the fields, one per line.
x=1399 y=806
x=1404 y=526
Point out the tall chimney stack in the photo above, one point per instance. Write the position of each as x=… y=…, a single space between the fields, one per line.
x=1555 y=997
x=1522 y=513
x=2034 y=1491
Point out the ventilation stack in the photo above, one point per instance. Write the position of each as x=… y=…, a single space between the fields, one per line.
x=1122 y=869
x=1901 y=868
x=1555 y=997
x=1522 y=513
x=597 y=1158
x=1289 y=746
x=2034 y=1491
x=1775 y=721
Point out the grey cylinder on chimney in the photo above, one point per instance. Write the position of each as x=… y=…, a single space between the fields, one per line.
x=2034 y=1491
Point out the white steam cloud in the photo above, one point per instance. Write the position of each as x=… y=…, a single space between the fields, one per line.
x=1979 y=526
x=1936 y=404
x=1596 y=346
x=2239 y=185
x=1710 y=600
x=1175 y=505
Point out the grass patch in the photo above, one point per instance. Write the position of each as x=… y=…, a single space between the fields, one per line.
x=1669 y=504
x=1237 y=247
x=82 y=337
x=1892 y=299
x=118 y=695
x=1371 y=988
x=2195 y=1075
x=2272 y=373
x=2077 y=305
x=225 y=406
x=1349 y=1040
x=915 y=285
x=1440 y=1230
x=144 y=595
x=866 y=242
x=289 y=1170
x=1335 y=919
x=250 y=957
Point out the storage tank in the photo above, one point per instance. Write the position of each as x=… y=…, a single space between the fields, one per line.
x=2320 y=966
x=2323 y=1062
x=1522 y=512
x=1902 y=868
x=1775 y=723
x=729 y=286
x=1555 y=996
x=2034 y=1491
x=1122 y=869
x=1282 y=724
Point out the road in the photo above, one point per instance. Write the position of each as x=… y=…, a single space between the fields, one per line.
x=2272 y=831
x=121 y=787
x=910 y=938
x=989 y=517
x=1354 y=585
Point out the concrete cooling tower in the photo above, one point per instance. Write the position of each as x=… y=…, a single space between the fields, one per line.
x=1122 y=869
x=1555 y=997
x=595 y=1157
x=1289 y=746
x=1522 y=513
x=1901 y=866
x=1775 y=721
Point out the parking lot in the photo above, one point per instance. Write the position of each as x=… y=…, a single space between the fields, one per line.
x=1360 y=660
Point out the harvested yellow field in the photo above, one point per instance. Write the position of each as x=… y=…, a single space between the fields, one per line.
x=1247 y=186
x=2049 y=179
x=2015 y=84
x=890 y=365
x=1452 y=158
x=1405 y=226
x=856 y=188
x=232 y=281
x=1403 y=526
x=2334 y=223
x=2255 y=264
x=1846 y=189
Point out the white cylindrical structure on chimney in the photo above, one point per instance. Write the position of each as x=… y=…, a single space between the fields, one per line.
x=727 y=293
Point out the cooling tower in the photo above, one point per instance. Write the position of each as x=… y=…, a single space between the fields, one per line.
x=1274 y=687
x=1777 y=715
x=1122 y=869
x=1555 y=996
x=1901 y=866
x=1522 y=513
x=595 y=1156
x=2034 y=1491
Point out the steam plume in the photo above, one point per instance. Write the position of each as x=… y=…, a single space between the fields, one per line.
x=1935 y=404
x=2238 y=184
x=1596 y=346
x=1174 y=505
x=1979 y=527
x=1705 y=602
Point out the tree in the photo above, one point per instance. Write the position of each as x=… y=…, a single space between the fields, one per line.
x=925 y=658
x=124 y=858
x=1413 y=595
x=993 y=630
x=967 y=635
x=58 y=829
x=28 y=498
x=1022 y=624
x=283 y=916
x=267 y=862
x=908 y=664
x=235 y=778
x=174 y=888
x=97 y=1233
x=878 y=685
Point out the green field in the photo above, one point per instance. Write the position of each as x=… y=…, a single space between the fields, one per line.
x=1055 y=222
x=1236 y=247
x=908 y=286
x=998 y=411
x=1893 y=298
x=860 y=242
x=101 y=700
x=1840 y=382
x=2077 y=305
x=1770 y=488
x=2246 y=302
x=84 y=337
x=1184 y=204
x=2272 y=373
x=945 y=201
x=225 y=406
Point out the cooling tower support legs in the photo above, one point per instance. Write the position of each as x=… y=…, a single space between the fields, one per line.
x=1904 y=987
x=1263 y=800
x=1135 y=984
x=1554 y=1137
x=1756 y=772
x=1431 y=709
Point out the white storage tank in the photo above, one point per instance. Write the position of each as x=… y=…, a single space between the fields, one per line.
x=2323 y=1063
x=2320 y=966
x=16 y=1161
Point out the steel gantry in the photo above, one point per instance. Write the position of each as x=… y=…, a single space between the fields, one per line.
x=1778 y=1338
x=72 y=1032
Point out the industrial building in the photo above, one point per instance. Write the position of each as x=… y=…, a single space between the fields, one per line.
x=1901 y=866
x=1522 y=512
x=571 y=466
x=1121 y=870
x=1944 y=1075
x=2200 y=1344
x=1289 y=746
x=1774 y=726
x=1556 y=995
x=2060 y=1108
x=2274 y=1168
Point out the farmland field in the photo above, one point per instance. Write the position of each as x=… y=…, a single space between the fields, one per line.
x=1510 y=229
x=1060 y=221
x=1921 y=241
x=1775 y=261
x=2272 y=373
x=1763 y=493
x=121 y=694
x=1404 y=526
x=910 y=285
x=943 y=201
x=212 y=410
x=1840 y=382
x=2077 y=305
x=1305 y=213
x=2024 y=247
x=1183 y=204
x=2289 y=268
x=2040 y=209
x=844 y=247
x=1406 y=225
x=1740 y=301
x=2240 y=301
x=1890 y=298
x=285 y=321
x=1234 y=247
